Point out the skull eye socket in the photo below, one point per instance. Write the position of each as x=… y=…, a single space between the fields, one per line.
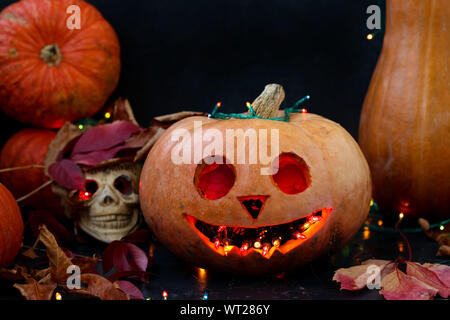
x=90 y=187
x=123 y=185
x=293 y=174
x=214 y=178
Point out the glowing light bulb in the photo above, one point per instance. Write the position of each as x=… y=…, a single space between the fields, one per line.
x=84 y=195
x=148 y=299
x=265 y=249
x=369 y=36
x=58 y=296
x=219 y=104
x=217 y=243
x=299 y=235
x=227 y=245
x=80 y=126
x=248 y=104
x=257 y=244
x=245 y=246
x=276 y=242
x=401 y=215
x=107 y=115
x=304 y=110
x=165 y=295
x=441 y=228
x=315 y=219
x=380 y=223
x=205 y=296
x=371 y=202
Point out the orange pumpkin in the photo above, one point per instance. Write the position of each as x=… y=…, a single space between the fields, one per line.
x=405 y=128
x=28 y=147
x=228 y=216
x=11 y=227
x=50 y=74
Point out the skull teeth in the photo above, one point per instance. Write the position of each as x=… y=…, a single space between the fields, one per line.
x=114 y=221
x=111 y=217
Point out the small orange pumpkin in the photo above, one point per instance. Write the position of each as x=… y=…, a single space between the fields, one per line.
x=227 y=216
x=11 y=227
x=50 y=74
x=28 y=147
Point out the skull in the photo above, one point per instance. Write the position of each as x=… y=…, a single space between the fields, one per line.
x=108 y=209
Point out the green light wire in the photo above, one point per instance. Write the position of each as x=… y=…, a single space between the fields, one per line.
x=375 y=210
x=406 y=230
x=287 y=112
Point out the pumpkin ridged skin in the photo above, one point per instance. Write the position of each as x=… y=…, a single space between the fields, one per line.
x=28 y=147
x=47 y=95
x=405 y=126
x=340 y=179
x=11 y=227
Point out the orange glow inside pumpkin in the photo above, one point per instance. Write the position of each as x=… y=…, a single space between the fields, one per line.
x=214 y=180
x=236 y=240
x=292 y=176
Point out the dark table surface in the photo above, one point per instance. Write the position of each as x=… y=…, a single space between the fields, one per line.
x=313 y=281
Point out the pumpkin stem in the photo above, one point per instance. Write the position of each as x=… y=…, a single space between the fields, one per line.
x=51 y=55
x=268 y=103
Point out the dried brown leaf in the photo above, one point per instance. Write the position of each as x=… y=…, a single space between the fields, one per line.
x=94 y=285
x=29 y=253
x=17 y=273
x=33 y=290
x=58 y=260
x=123 y=111
x=167 y=120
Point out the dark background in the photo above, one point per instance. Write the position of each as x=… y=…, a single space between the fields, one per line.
x=187 y=55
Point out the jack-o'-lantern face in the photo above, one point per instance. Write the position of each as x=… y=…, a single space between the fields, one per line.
x=291 y=177
x=225 y=214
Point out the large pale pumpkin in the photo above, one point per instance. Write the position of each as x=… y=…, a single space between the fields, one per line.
x=28 y=147
x=49 y=73
x=11 y=227
x=405 y=125
x=230 y=217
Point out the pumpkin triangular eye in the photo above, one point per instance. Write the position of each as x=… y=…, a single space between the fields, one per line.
x=292 y=176
x=213 y=181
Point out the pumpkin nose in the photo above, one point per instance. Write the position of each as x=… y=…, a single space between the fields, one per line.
x=253 y=204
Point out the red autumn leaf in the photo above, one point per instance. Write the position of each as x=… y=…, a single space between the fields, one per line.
x=139 y=236
x=420 y=282
x=442 y=271
x=68 y=174
x=94 y=158
x=143 y=276
x=123 y=256
x=400 y=286
x=133 y=292
x=104 y=137
x=428 y=277
x=355 y=278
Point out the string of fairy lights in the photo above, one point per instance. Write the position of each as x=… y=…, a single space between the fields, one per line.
x=296 y=108
x=379 y=226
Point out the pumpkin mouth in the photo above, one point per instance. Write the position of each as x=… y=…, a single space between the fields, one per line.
x=264 y=240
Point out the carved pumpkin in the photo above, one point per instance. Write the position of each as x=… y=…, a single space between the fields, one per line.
x=28 y=147
x=405 y=126
x=228 y=216
x=11 y=227
x=50 y=74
